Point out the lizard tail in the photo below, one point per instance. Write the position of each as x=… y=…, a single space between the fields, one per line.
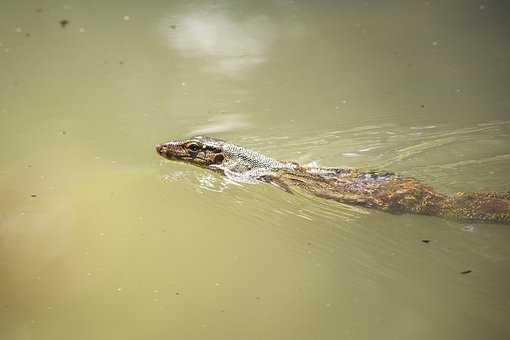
x=490 y=207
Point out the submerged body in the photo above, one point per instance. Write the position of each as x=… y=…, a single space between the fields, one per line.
x=373 y=189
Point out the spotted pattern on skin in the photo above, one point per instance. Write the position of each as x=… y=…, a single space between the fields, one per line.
x=385 y=191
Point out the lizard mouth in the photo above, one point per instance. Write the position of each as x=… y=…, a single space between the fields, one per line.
x=159 y=147
x=164 y=152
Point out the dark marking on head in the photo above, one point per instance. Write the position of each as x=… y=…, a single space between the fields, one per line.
x=218 y=158
x=201 y=151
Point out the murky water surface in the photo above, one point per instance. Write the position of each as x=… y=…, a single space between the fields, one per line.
x=101 y=239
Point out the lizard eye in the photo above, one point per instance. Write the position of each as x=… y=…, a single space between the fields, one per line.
x=194 y=147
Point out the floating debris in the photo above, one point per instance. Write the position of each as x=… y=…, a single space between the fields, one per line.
x=466 y=272
x=425 y=241
x=64 y=23
x=33 y=195
x=469 y=228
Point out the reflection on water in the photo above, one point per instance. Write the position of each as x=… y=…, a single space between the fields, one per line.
x=100 y=238
x=222 y=123
x=224 y=44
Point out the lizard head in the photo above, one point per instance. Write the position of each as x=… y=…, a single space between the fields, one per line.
x=201 y=151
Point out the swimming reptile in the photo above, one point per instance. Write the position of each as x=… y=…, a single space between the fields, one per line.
x=385 y=191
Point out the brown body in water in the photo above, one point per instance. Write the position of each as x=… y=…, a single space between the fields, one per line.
x=373 y=189
x=399 y=195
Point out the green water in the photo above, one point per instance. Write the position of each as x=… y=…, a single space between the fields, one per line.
x=102 y=239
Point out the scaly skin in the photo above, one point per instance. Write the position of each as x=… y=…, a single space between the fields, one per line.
x=381 y=190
